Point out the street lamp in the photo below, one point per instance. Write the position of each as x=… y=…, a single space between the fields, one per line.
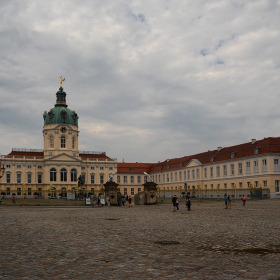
x=2 y=171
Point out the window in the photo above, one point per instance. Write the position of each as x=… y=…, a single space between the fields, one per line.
x=40 y=193
x=256 y=168
x=240 y=185
x=8 y=191
x=118 y=179
x=125 y=179
x=176 y=177
x=29 y=166
x=110 y=168
x=188 y=174
x=256 y=151
x=159 y=178
x=180 y=176
x=197 y=174
x=185 y=175
x=50 y=153
x=18 y=191
x=248 y=170
x=92 y=168
x=239 y=168
x=18 y=166
x=171 y=177
x=132 y=191
x=218 y=171
x=256 y=184
x=205 y=172
x=39 y=178
x=92 y=178
x=225 y=170
x=125 y=191
x=232 y=169
x=131 y=169
x=276 y=164
x=53 y=175
x=39 y=166
x=211 y=172
x=193 y=175
x=63 y=175
x=51 y=142
x=248 y=184
x=29 y=178
x=167 y=178
x=232 y=185
x=18 y=178
x=265 y=184
x=73 y=143
x=8 y=166
x=29 y=191
x=264 y=165
x=62 y=142
x=139 y=190
x=101 y=179
x=163 y=177
x=277 y=185
x=73 y=175
x=83 y=168
x=225 y=185
x=132 y=179
x=139 y=179
x=8 y=178
x=101 y=168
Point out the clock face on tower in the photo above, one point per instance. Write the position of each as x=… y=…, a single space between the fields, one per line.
x=63 y=129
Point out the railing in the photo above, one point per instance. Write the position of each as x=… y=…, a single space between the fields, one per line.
x=27 y=150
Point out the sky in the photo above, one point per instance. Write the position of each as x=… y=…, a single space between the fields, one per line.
x=150 y=80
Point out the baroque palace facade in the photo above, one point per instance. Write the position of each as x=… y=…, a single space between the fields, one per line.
x=54 y=170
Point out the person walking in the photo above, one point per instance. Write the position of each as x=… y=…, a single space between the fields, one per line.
x=226 y=201
x=177 y=204
x=129 y=201
x=243 y=198
x=229 y=201
x=14 y=199
x=188 y=203
x=174 y=198
x=123 y=201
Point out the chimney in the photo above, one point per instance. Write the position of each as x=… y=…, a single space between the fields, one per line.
x=219 y=148
x=254 y=141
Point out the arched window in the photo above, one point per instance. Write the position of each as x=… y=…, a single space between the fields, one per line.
x=53 y=174
x=62 y=142
x=53 y=192
x=73 y=143
x=63 y=192
x=63 y=175
x=73 y=175
x=51 y=142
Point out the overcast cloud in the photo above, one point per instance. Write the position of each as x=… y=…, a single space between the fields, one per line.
x=150 y=80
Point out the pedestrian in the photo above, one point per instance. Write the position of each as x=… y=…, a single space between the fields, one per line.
x=226 y=201
x=98 y=201
x=108 y=200
x=126 y=200
x=174 y=198
x=123 y=201
x=177 y=204
x=188 y=203
x=243 y=198
x=229 y=201
x=14 y=199
x=129 y=201
x=119 y=199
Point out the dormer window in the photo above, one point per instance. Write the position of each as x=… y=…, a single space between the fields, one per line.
x=212 y=159
x=256 y=150
x=232 y=155
x=181 y=164
x=131 y=169
x=167 y=166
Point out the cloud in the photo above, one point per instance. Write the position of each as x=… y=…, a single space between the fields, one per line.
x=149 y=81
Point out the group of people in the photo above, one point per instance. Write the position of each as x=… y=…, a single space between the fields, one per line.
x=124 y=200
x=175 y=203
x=228 y=198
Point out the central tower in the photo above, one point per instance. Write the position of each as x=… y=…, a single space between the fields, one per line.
x=61 y=128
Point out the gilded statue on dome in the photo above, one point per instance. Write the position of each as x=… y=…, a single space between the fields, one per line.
x=61 y=80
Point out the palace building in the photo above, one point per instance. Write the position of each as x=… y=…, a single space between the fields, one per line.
x=251 y=168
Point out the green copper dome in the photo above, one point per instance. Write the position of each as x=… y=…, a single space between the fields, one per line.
x=60 y=114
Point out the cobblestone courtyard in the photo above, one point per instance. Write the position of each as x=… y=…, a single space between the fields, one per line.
x=208 y=242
